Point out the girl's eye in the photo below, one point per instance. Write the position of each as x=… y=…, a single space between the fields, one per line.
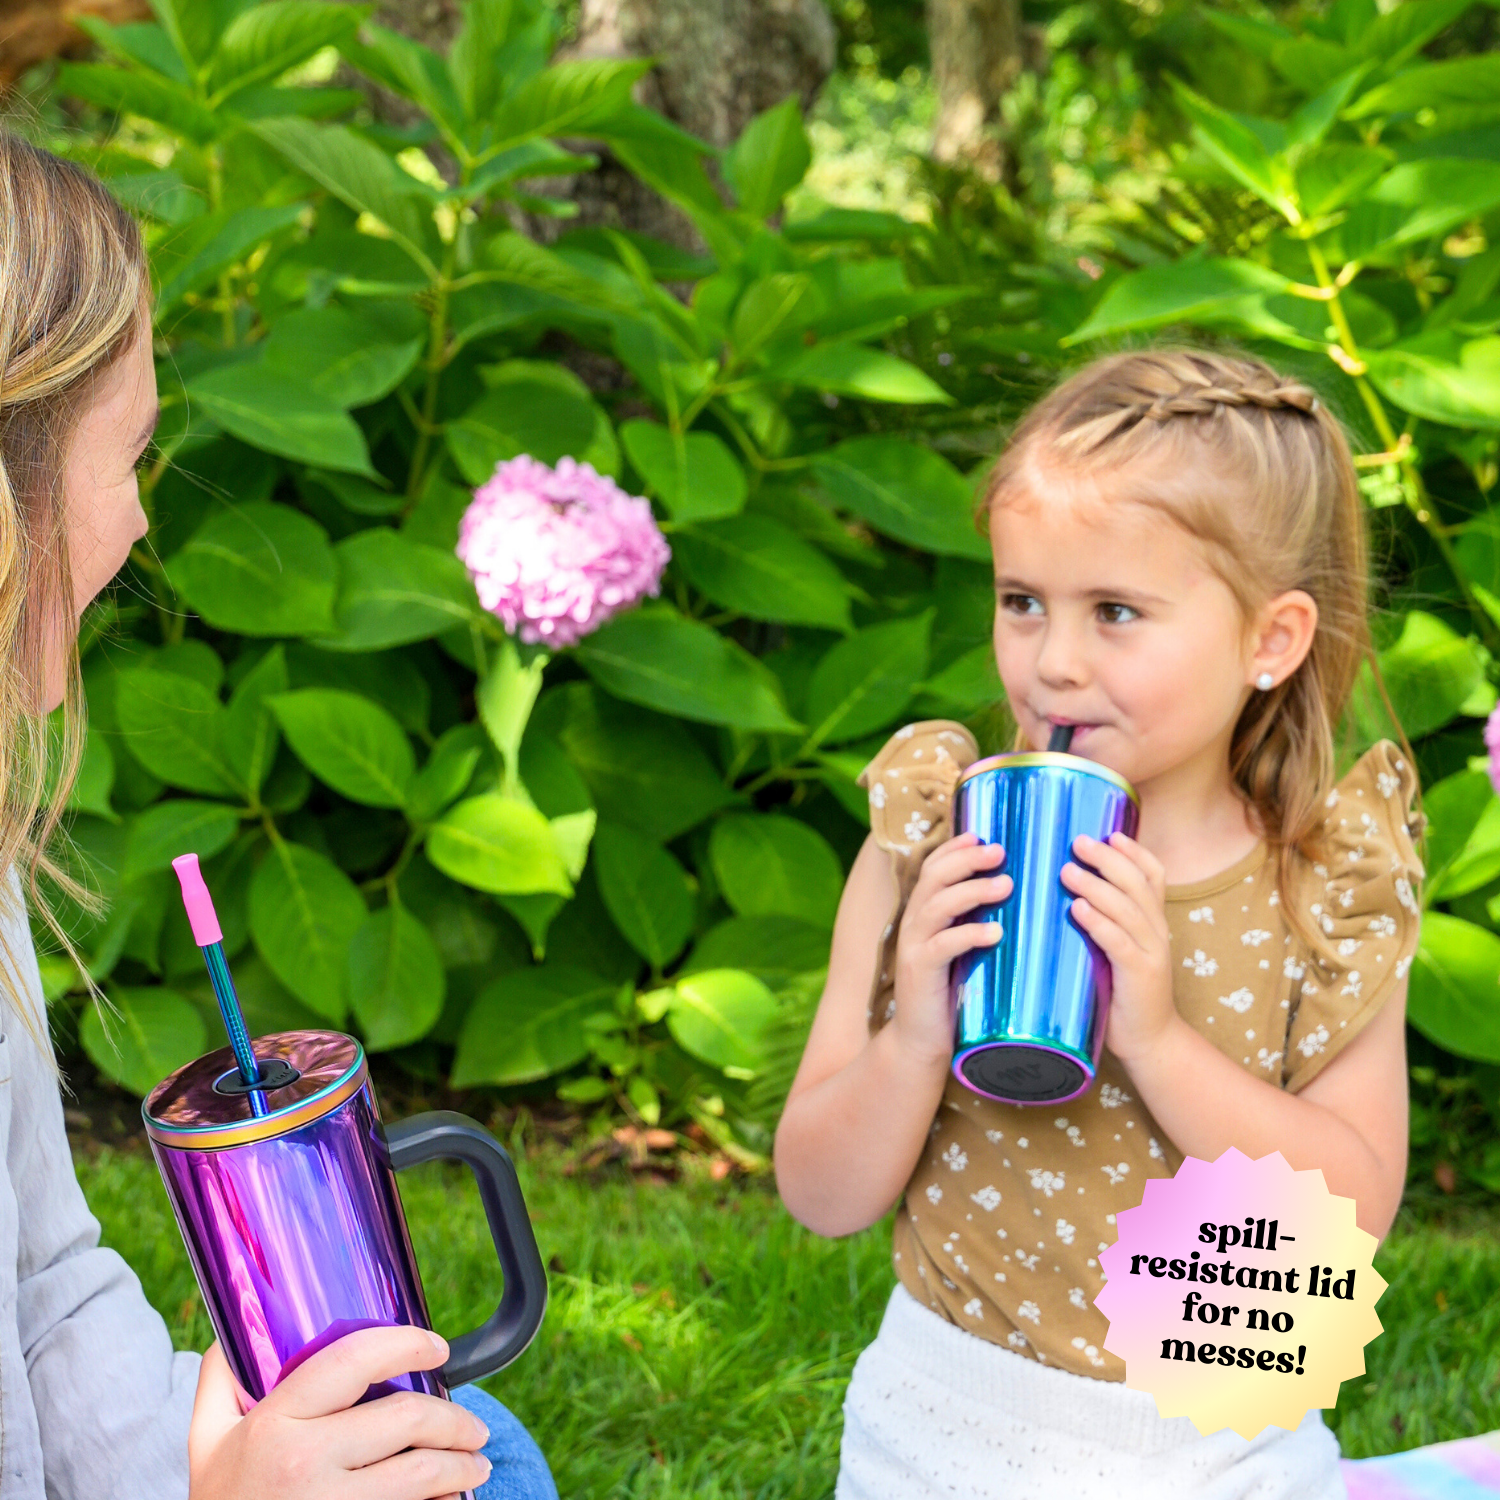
x=1022 y=604
x=1117 y=614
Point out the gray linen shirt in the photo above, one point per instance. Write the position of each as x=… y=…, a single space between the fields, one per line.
x=94 y=1404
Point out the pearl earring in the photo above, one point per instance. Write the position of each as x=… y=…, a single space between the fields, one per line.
x=1265 y=682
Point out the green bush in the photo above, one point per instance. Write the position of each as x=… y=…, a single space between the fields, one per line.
x=611 y=886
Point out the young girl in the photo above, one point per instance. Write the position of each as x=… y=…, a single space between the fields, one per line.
x=1180 y=575
x=94 y=1404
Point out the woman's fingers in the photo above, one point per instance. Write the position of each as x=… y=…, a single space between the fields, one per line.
x=366 y=1434
x=216 y=1407
x=336 y=1377
x=421 y=1474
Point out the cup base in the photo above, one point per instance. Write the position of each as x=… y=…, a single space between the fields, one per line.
x=1016 y=1073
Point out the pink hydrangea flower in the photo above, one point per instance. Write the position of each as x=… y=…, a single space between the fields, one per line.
x=1492 y=744
x=555 y=552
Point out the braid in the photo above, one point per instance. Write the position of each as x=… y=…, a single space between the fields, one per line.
x=1205 y=400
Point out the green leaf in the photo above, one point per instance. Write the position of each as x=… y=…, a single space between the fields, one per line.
x=1184 y=291
x=1453 y=808
x=351 y=360
x=151 y=1034
x=1429 y=673
x=721 y=1017
x=268 y=408
x=520 y=416
x=646 y=892
x=258 y=569
x=908 y=492
x=349 y=743
x=1416 y=200
x=766 y=307
x=128 y=92
x=1478 y=862
x=408 y=68
x=267 y=40
x=1462 y=80
x=505 y=696
x=396 y=980
x=775 y=948
x=304 y=912
x=758 y=567
x=662 y=661
x=528 y=1025
x=472 y=56
x=392 y=591
x=137 y=41
x=1455 y=987
x=853 y=370
x=195 y=26
x=96 y=778
x=187 y=260
x=447 y=773
x=570 y=98
x=768 y=864
x=968 y=684
x=1403 y=32
x=1443 y=377
x=500 y=845
x=166 y=829
x=642 y=770
x=693 y=475
x=250 y=734
x=360 y=175
x=769 y=159
x=1237 y=149
x=1330 y=176
x=174 y=727
x=863 y=683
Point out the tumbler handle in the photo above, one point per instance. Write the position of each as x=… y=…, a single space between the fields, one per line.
x=504 y=1335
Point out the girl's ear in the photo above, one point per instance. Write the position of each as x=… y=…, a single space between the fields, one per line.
x=1281 y=637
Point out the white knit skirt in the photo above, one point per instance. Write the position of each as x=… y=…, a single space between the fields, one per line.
x=934 y=1411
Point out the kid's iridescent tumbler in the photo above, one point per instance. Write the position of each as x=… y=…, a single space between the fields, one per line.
x=1030 y=1012
x=292 y=1217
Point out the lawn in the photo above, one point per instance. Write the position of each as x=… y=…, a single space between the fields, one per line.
x=698 y=1341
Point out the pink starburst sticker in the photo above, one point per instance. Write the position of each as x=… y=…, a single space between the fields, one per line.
x=1240 y=1293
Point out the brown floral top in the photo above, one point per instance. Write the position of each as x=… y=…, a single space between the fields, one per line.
x=1002 y=1222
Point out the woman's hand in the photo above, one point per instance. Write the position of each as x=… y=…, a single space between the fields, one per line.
x=1123 y=909
x=956 y=877
x=308 y=1441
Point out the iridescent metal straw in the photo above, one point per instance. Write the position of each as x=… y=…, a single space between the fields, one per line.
x=210 y=938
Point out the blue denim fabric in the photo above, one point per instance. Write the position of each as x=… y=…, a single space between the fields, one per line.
x=520 y=1472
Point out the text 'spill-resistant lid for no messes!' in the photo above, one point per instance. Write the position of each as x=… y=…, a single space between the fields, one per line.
x=204 y=1106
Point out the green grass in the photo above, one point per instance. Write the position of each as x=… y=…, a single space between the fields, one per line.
x=697 y=1341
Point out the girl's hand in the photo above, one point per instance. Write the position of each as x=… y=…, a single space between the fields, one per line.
x=956 y=877
x=1123 y=909
x=308 y=1441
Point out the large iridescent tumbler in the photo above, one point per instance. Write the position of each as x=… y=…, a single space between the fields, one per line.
x=1030 y=1011
x=293 y=1220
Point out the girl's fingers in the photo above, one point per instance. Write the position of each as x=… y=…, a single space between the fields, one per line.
x=1125 y=912
x=366 y=1434
x=420 y=1474
x=943 y=907
x=1124 y=863
x=958 y=859
x=952 y=942
x=336 y=1377
x=1117 y=944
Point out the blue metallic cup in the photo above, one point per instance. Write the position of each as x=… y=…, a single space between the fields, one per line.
x=1030 y=1012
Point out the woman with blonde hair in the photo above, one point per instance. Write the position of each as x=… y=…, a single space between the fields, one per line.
x=94 y=1403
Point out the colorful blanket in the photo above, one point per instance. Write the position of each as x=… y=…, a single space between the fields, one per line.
x=1465 y=1470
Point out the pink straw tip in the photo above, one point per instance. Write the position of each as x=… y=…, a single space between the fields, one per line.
x=200 y=905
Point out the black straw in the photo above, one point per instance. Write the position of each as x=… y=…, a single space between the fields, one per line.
x=1061 y=738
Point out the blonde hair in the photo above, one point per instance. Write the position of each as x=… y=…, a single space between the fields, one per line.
x=1251 y=464
x=74 y=289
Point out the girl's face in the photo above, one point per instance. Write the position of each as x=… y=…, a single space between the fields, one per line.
x=101 y=496
x=1108 y=617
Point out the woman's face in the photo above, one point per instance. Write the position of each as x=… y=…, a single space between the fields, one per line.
x=101 y=496
x=1108 y=617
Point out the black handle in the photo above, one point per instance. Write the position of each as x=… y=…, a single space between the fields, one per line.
x=503 y=1337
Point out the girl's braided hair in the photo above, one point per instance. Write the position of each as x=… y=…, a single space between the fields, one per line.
x=1255 y=467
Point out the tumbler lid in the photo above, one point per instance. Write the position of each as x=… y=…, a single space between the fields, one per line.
x=1018 y=759
x=203 y=1106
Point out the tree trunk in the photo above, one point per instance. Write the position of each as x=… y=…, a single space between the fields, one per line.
x=720 y=63
x=33 y=30
x=976 y=56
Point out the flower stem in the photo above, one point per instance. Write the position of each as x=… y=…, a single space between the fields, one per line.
x=437 y=359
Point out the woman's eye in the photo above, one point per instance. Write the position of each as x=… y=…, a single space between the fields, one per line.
x=1021 y=604
x=1117 y=614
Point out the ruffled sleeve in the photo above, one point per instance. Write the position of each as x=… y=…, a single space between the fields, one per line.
x=910 y=783
x=1362 y=897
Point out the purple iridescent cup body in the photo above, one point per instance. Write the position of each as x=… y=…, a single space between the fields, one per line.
x=297 y=1240
x=1030 y=1011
